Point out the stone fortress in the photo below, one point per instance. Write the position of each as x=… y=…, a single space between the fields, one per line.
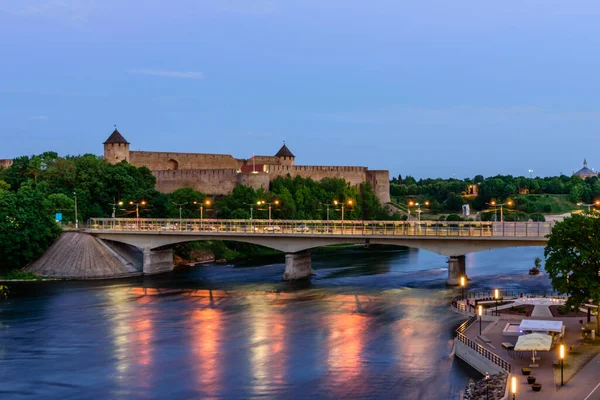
x=218 y=174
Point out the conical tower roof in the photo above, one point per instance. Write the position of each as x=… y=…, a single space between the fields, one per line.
x=284 y=152
x=116 y=137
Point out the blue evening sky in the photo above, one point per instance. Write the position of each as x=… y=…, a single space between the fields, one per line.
x=427 y=88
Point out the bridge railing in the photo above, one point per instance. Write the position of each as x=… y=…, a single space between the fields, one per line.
x=487 y=296
x=333 y=227
x=493 y=357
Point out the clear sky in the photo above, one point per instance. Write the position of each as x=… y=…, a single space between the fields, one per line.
x=429 y=88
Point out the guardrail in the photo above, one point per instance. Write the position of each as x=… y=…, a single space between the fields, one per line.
x=371 y=228
x=493 y=357
x=488 y=295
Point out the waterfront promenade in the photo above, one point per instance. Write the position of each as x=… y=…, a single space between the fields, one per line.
x=578 y=384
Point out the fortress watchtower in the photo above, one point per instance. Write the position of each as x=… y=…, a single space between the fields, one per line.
x=116 y=148
x=285 y=156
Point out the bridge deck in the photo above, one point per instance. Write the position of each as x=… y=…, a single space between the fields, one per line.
x=214 y=227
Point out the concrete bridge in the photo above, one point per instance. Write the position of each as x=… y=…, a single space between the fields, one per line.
x=296 y=237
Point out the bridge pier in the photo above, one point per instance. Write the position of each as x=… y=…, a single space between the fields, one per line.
x=297 y=266
x=157 y=261
x=456 y=269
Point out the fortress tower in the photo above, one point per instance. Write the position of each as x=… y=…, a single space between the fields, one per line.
x=285 y=156
x=116 y=148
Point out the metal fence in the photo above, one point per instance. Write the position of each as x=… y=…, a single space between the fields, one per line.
x=493 y=357
x=337 y=227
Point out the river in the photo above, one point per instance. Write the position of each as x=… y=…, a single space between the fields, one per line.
x=372 y=324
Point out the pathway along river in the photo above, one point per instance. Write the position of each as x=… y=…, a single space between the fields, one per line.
x=371 y=324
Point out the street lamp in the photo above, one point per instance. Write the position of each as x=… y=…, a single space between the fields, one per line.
x=530 y=172
x=561 y=354
x=327 y=205
x=594 y=204
x=137 y=207
x=493 y=203
x=76 y=217
x=410 y=204
x=462 y=286
x=114 y=205
x=180 y=205
x=206 y=203
x=487 y=386
x=480 y=313
x=419 y=209
x=349 y=203
x=251 y=205
x=513 y=387
x=496 y=297
x=262 y=202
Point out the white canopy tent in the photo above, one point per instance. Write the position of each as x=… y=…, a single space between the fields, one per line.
x=533 y=325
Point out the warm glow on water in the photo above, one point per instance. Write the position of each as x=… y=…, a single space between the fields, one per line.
x=369 y=325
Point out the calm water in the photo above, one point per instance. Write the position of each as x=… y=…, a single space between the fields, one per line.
x=371 y=324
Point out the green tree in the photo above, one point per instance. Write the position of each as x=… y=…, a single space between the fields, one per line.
x=573 y=260
x=27 y=227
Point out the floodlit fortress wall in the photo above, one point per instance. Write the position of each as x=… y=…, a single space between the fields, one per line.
x=218 y=174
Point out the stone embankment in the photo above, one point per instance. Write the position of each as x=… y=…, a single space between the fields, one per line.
x=77 y=255
x=481 y=389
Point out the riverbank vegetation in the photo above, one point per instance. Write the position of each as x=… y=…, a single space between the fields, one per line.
x=531 y=196
x=573 y=261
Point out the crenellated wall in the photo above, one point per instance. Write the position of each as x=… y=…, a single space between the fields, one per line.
x=157 y=161
x=211 y=181
x=354 y=175
x=222 y=181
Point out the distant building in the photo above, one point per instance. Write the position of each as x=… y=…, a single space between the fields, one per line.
x=6 y=163
x=585 y=172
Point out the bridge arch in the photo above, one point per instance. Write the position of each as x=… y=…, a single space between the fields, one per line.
x=295 y=244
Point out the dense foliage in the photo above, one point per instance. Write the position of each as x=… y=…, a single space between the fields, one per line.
x=530 y=195
x=573 y=259
x=27 y=226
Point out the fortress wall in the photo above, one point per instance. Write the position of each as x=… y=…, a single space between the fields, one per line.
x=354 y=175
x=380 y=180
x=270 y=160
x=6 y=163
x=157 y=161
x=212 y=181
x=255 y=181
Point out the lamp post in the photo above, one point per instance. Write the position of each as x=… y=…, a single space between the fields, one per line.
x=501 y=205
x=480 y=313
x=561 y=354
x=408 y=206
x=262 y=202
x=513 y=387
x=589 y=206
x=530 y=173
x=137 y=207
x=462 y=286
x=350 y=203
x=180 y=205
x=206 y=203
x=487 y=386
x=114 y=206
x=327 y=207
x=76 y=216
x=496 y=297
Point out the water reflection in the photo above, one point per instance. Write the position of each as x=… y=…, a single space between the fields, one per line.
x=207 y=329
x=383 y=329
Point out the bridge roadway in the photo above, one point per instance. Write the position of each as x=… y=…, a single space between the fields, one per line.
x=295 y=237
